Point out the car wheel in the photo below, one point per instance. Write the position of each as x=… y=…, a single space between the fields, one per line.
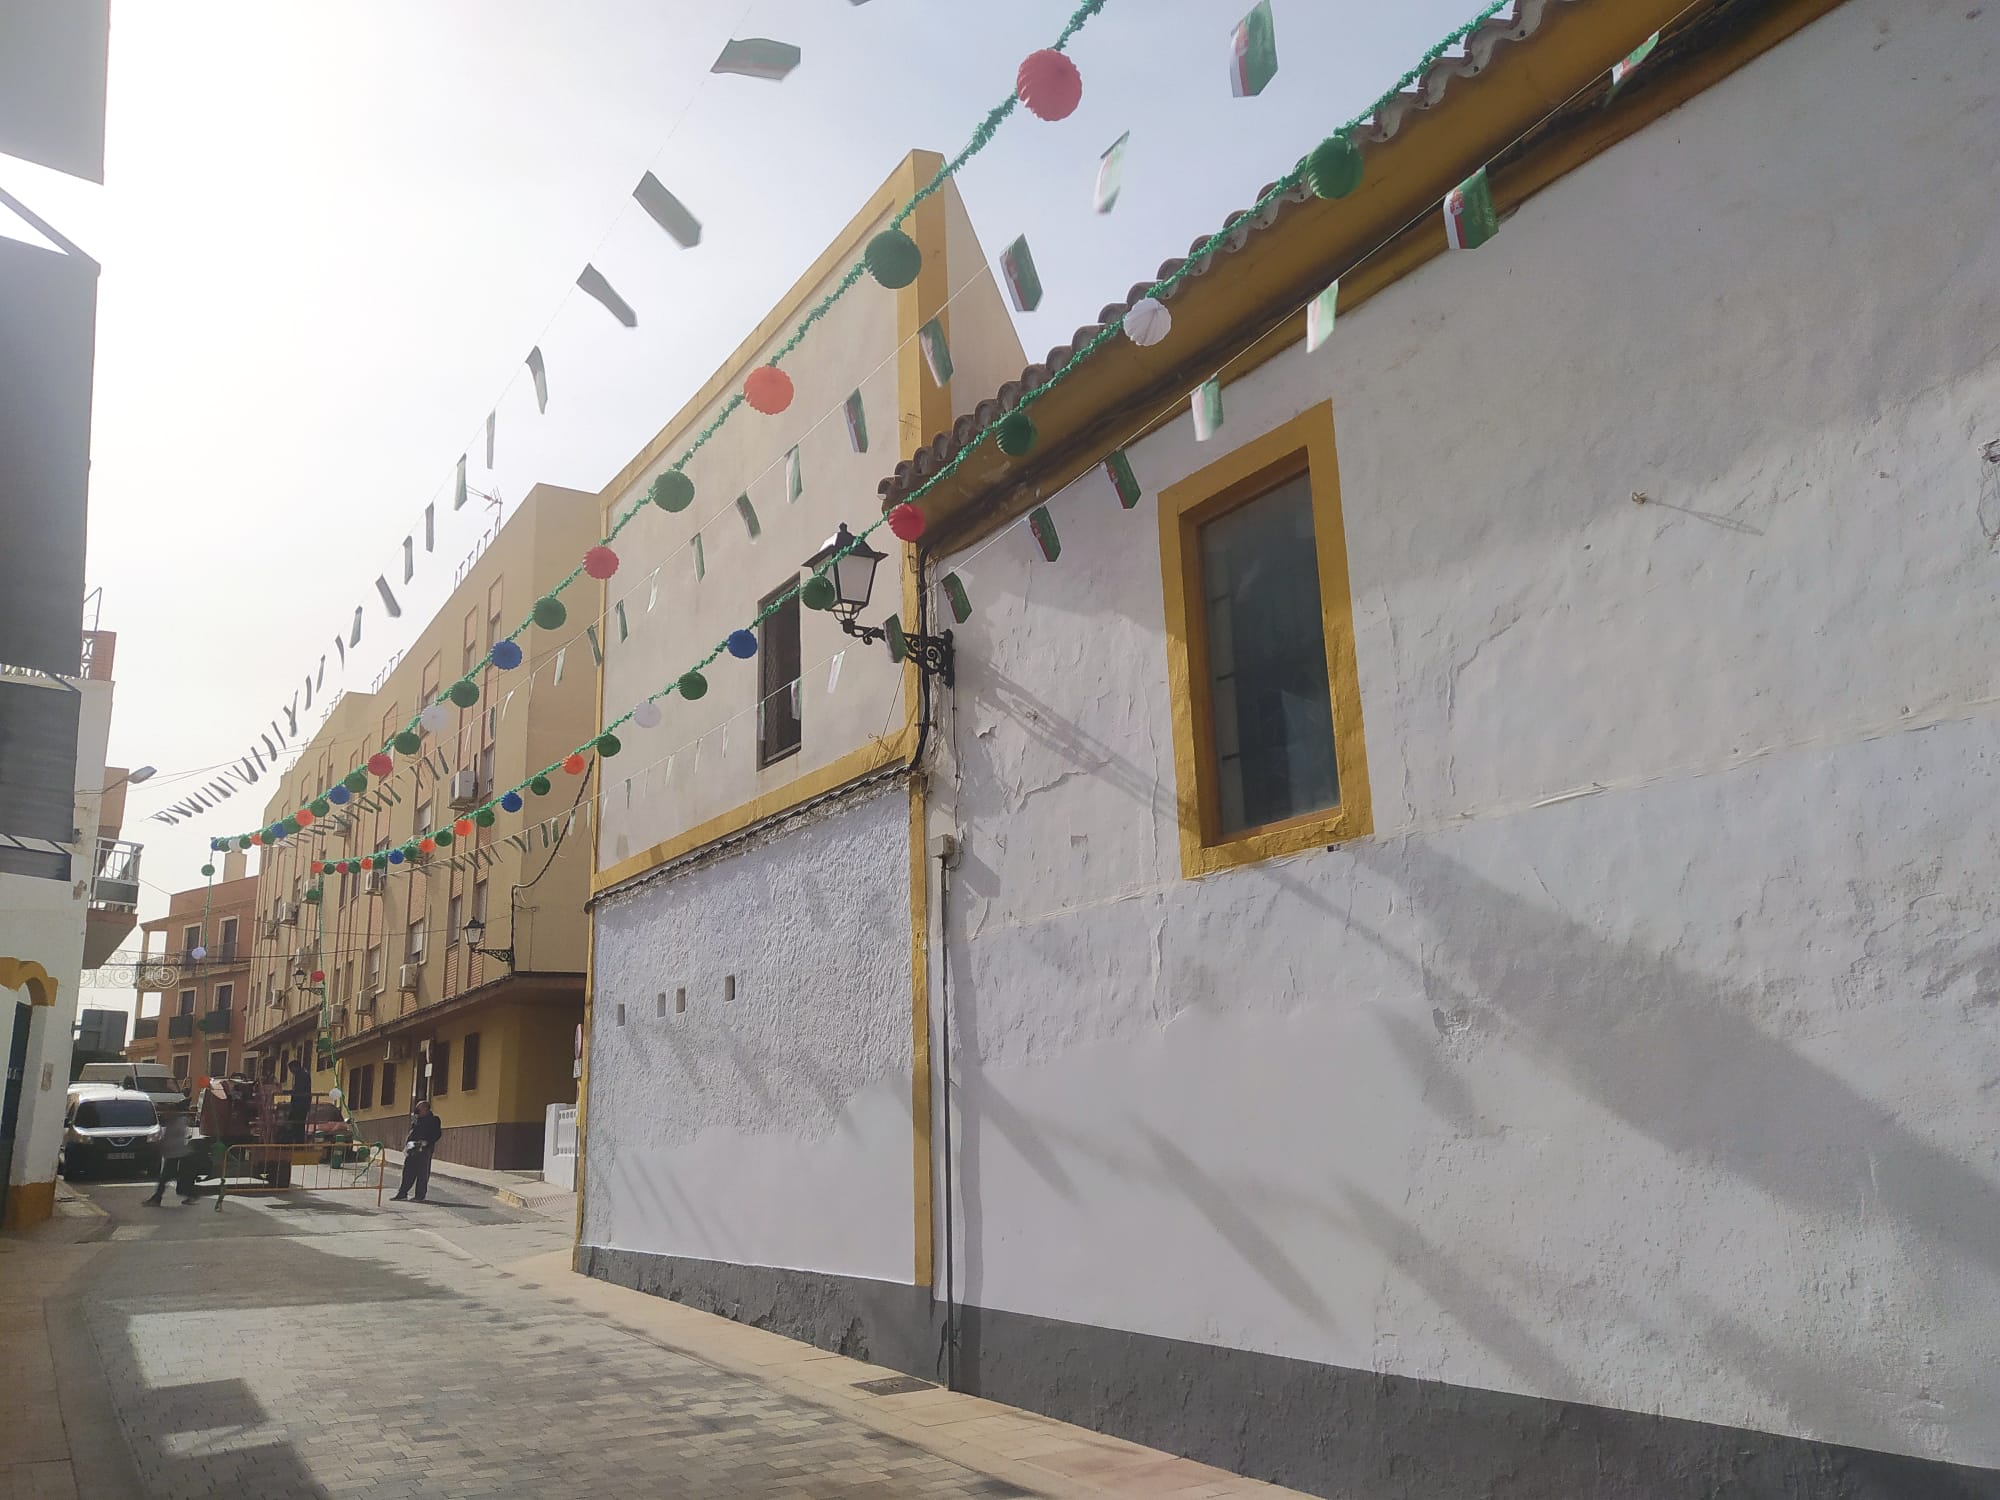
x=72 y=1171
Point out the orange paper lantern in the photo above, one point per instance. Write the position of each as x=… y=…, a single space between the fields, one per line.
x=768 y=389
x=574 y=764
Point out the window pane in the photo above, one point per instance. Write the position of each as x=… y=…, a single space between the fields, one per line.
x=778 y=728
x=218 y=1064
x=469 y=1068
x=1272 y=710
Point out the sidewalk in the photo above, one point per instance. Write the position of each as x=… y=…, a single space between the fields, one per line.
x=516 y=1189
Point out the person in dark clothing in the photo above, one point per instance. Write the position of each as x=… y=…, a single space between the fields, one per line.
x=425 y=1128
x=299 y=1105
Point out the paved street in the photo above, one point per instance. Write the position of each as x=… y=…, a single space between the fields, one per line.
x=313 y=1346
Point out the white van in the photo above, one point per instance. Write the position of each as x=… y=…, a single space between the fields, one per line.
x=149 y=1078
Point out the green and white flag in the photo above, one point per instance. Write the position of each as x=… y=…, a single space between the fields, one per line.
x=795 y=483
x=624 y=627
x=937 y=353
x=1123 y=480
x=1319 y=318
x=1043 y=525
x=749 y=514
x=757 y=57
x=857 y=424
x=560 y=657
x=1622 y=69
x=700 y=559
x=1017 y=269
x=1207 y=404
x=1470 y=219
x=596 y=646
x=955 y=595
x=1110 y=175
x=1254 y=52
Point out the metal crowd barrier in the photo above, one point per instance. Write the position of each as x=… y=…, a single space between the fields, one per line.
x=350 y=1167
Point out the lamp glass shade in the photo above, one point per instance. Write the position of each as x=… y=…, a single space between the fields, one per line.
x=475 y=932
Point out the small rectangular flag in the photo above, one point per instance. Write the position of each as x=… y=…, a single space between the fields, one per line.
x=954 y=593
x=430 y=511
x=857 y=423
x=668 y=212
x=1119 y=468
x=833 y=672
x=795 y=482
x=898 y=643
x=504 y=702
x=1043 y=525
x=489 y=438
x=937 y=353
x=1207 y=404
x=443 y=765
x=1110 y=175
x=1470 y=219
x=560 y=655
x=596 y=646
x=354 y=639
x=457 y=499
x=409 y=558
x=757 y=57
x=540 y=371
x=388 y=599
x=624 y=630
x=1017 y=269
x=1254 y=52
x=592 y=282
x=653 y=591
x=749 y=514
x=700 y=559
x=1319 y=318
x=1622 y=69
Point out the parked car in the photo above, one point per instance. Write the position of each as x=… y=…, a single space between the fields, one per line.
x=149 y=1078
x=108 y=1133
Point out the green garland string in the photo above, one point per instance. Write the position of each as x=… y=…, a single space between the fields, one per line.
x=1279 y=189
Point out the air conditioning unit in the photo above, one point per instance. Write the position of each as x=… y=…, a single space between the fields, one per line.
x=464 y=790
x=288 y=913
x=302 y=958
x=366 y=1002
x=374 y=882
x=370 y=991
x=406 y=978
x=268 y=928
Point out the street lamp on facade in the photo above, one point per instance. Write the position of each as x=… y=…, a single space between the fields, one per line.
x=849 y=563
x=475 y=934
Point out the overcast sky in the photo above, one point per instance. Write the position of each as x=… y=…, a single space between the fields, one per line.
x=330 y=232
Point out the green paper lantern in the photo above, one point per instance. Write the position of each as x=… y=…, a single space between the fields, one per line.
x=818 y=592
x=539 y=786
x=692 y=686
x=313 y=894
x=464 y=692
x=411 y=853
x=356 y=781
x=893 y=258
x=243 y=841
x=673 y=492
x=409 y=742
x=609 y=744
x=319 y=806
x=549 y=612
x=484 y=817
x=290 y=825
x=1015 y=434
x=1334 y=168
x=208 y=869
x=442 y=838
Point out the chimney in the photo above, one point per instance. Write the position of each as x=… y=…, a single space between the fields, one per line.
x=234 y=864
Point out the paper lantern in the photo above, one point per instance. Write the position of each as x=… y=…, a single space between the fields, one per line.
x=244 y=841
x=357 y=781
x=549 y=612
x=443 y=838
x=1049 y=85
x=646 y=714
x=574 y=763
x=304 y=817
x=425 y=846
x=395 y=856
x=692 y=685
x=408 y=742
x=906 y=523
x=436 y=718
x=818 y=592
x=768 y=389
x=607 y=744
x=893 y=258
x=410 y=852
x=197 y=954
x=742 y=644
x=380 y=765
x=484 y=817
x=673 y=491
x=338 y=794
x=208 y=869
x=506 y=655
x=1147 y=321
x=318 y=807
x=463 y=827
x=1015 y=434
x=600 y=562
x=1334 y=168
x=319 y=976
x=318 y=866
x=367 y=861
x=511 y=802
x=464 y=692
x=275 y=832
x=539 y=786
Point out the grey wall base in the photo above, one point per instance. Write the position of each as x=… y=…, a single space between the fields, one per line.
x=1323 y=1429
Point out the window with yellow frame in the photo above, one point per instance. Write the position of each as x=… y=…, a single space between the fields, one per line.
x=1268 y=745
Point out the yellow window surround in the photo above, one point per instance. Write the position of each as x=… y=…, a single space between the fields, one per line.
x=1304 y=445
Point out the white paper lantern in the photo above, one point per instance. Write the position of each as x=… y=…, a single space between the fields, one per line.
x=1147 y=322
x=436 y=718
x=197 y=954
x=646 y=715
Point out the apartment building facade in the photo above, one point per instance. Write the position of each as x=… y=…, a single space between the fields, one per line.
x=408 y=1006
x=194 y=977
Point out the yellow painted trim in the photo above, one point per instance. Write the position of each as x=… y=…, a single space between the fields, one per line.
x=30 y=1203
x=1303 y=445
x=882 y=751
x=25 y=973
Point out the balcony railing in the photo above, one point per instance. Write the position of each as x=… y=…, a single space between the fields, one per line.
x=214 y=956
x=180 y=1026
x=114 y=881
x=216 y=1020
x=145 y=1028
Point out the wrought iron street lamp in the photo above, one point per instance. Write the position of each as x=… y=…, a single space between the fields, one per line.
x=849 y=563
x=475 y=934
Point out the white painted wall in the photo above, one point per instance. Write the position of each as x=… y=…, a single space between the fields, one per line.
x=1675 y=1096
x=774 y=1129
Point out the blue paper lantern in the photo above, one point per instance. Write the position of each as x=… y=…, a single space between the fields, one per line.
x=511 y=802
x=275 y=831
x=395 y=856
x=506 y=655
x=742 y=644
x=338 y=793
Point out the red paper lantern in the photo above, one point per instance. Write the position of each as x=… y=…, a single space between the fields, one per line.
x=367 y=861
x=600 y=562
x=462 y=828
x=319 y=976
x=427 y=846
x=574 y=764
x=256 y=838
x=304 y=816
x=768 y=389
x=318 y=865
x=907 y=522
x=1049 y=84
x=380 y=764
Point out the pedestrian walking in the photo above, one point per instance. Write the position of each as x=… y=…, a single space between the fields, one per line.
x=425 y=1128
x=177 y=1128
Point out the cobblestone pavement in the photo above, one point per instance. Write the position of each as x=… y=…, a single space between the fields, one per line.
x=330 y=1350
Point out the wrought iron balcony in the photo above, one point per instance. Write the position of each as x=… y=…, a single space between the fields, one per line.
x=114 y=880
x=145 y=1028
x=216 y=1020
x=180 y=1026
